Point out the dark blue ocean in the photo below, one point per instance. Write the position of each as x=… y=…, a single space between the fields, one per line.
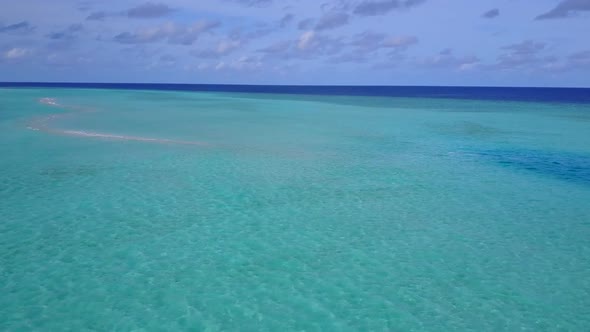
x=566 y=95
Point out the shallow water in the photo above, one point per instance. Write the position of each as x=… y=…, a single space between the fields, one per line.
x=319 y=213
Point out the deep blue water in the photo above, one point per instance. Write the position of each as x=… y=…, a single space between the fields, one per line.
x=565 y=95
x=563 y=166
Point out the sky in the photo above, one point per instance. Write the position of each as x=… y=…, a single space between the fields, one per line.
x=335 y=42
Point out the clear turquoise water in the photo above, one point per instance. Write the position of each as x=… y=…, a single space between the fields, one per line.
x=298 y=214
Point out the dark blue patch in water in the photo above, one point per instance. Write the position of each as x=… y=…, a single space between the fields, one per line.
x=564 y=166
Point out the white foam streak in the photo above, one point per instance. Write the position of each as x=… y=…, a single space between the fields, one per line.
x=48 y=101
x=42 y=124
x=128 y=138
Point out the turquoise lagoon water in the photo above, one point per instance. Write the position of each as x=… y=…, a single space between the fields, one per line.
x=291 y=213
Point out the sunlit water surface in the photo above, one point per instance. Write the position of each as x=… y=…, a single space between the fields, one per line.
x=291 y=213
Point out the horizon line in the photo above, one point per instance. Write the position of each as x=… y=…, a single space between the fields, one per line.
x=299 y=85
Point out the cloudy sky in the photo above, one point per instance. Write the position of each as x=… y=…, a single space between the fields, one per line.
x=380 y=42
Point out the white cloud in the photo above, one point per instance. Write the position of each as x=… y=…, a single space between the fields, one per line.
x=222 y=48
x=221 y=65
x=244 y=63
x=16 y=53
x=172 y=32
x=247 y=63
x=305 y=40
x=446 y=58
x=400 y=41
